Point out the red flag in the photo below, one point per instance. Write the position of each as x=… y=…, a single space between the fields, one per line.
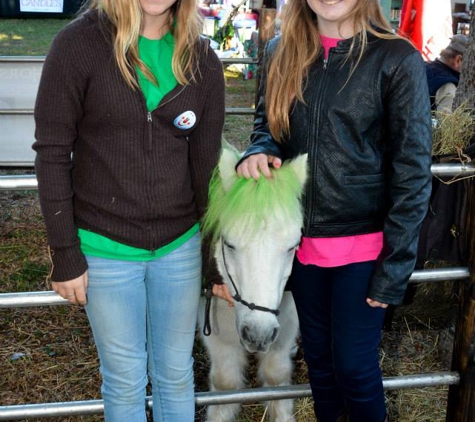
x=410 y=25
x=428 y=24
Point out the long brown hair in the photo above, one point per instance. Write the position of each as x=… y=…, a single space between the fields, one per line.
x=298 y=48
x=126 y=17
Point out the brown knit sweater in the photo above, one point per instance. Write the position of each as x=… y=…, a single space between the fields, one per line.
x=107 y=165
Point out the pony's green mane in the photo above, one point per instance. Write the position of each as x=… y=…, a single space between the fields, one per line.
x=248 y=202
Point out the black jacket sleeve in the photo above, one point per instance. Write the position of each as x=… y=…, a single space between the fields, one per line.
x=262 y=141
x=409 y=186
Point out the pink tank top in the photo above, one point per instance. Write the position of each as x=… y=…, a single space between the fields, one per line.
x=337 y=251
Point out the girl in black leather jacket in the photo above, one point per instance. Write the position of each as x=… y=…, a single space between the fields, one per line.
x=340 y=86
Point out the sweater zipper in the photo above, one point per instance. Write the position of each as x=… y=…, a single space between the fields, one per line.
x=314 y=146
x=149 y=187
x=150 y=136
x=149 y=152
x=160 y=104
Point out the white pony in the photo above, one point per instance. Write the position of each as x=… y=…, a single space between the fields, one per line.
x=255 y=228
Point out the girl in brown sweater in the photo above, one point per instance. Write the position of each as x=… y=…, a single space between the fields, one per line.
x=129 y=117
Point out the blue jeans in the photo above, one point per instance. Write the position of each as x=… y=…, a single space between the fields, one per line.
x=143 y=317
x=340 y=338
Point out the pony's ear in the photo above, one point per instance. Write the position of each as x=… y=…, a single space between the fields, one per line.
x=299 y=166
x=227 y=164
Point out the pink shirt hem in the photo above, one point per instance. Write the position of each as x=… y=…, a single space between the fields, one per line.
x=338 y=251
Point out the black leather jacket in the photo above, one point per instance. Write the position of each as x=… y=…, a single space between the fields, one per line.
x=369 y=144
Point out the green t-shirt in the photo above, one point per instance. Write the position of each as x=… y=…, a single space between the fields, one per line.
x=157 y=55
x=94 y=244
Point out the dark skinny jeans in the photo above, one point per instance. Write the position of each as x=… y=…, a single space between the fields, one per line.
x=340 y=338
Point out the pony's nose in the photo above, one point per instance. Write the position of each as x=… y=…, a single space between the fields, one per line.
x=261 y=342
x=245 y=334
x=275 y=333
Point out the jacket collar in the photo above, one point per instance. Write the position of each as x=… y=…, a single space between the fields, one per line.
x=343 y=46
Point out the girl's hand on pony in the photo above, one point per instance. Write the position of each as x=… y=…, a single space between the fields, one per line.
x=376 y=304
x=256 y=164
x=74 y=291
x=222 y=291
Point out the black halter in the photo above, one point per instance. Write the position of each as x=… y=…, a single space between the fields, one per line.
x=237 y=297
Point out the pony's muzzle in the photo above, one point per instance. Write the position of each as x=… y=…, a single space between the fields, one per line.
x=255 y=340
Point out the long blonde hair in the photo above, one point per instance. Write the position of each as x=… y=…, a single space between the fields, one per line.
x=299 y=47
x=126 y=17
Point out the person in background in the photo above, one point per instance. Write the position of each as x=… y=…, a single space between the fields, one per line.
x=339 y=86
x=443 y=74
x=129 y=117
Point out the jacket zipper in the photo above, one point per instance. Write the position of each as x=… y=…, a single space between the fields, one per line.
x=314 y=146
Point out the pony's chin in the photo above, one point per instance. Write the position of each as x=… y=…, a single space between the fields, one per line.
x=255 y=348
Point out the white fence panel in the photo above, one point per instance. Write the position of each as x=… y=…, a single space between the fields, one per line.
x=19 y=80
x=17 y=134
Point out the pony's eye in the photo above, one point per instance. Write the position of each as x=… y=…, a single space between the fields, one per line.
x=229 y=246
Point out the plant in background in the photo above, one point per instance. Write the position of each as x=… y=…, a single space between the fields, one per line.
x=453 y=132
x=223 y=35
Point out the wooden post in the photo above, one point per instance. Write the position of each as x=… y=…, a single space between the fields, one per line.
x=466 y=86
x=461 y=401
x=461 y=404
x=266 y=32
x=266 y=25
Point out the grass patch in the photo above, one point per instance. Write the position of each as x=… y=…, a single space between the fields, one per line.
x=28 y=37
x=237 y=130
x=453 y=131
x=239 y=93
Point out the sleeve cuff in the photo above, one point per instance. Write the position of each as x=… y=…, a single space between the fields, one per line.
x=67 y=263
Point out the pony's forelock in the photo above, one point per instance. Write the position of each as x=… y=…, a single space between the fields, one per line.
x=248 y=203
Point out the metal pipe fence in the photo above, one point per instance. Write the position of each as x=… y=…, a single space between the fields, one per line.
x=240 y=111
x=41 y=59
x=26 y=60
x=95 y=407
x=28 y=182
x=50 y=298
